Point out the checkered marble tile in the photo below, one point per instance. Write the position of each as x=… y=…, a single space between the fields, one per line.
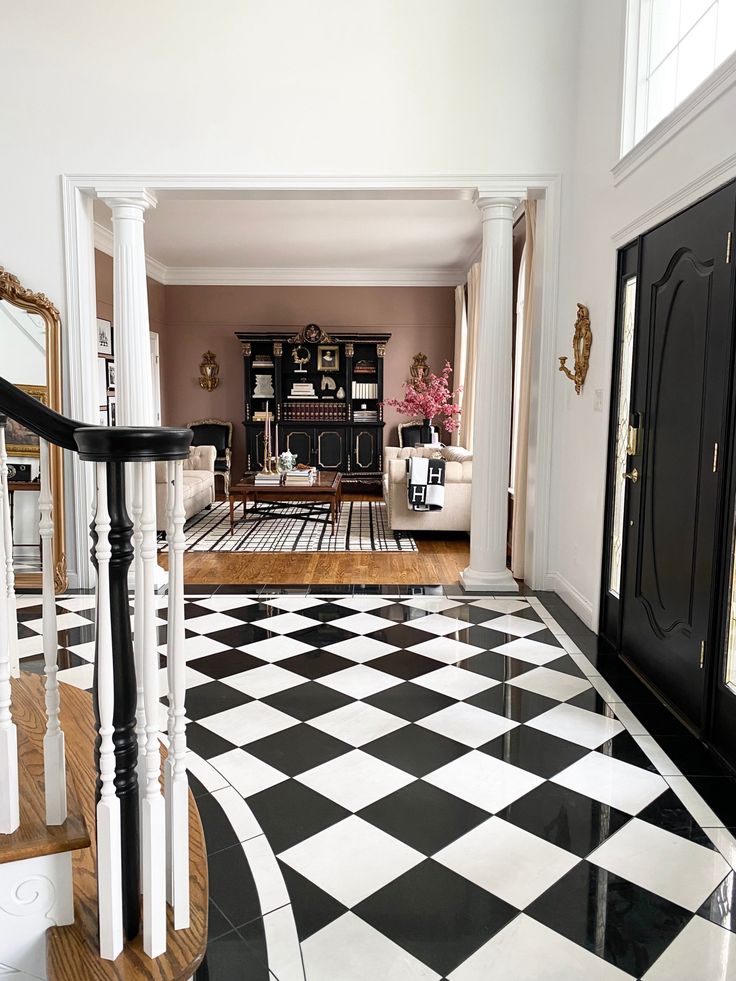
x=414 y=784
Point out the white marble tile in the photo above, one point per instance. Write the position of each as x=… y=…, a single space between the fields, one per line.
x=664 y=863
x=245 y=723
x=247 y=774
x=82 y=676
x=431 y=604
x=360 y=681
x=513 y=625
x=364 y=604
x=210 y=778
x=467 y=724
x=657 y=755
x=577 y=725
x=363 y=623
x=703 y=814
x=192 y=677
x=293 y=602
x=361 y=649
x=355 y=780
x=702 y=952
x=269 y=880
x=511 y=863
x=499 y=605
x=348 y=949
x=525 y=950
x=358 y=723
x=611 y=781
x=531 y=651
x=552 y=684
x=282 y=945
x=627 y=717
x=285 y=623
x=242 y=820
x=455 y=682
x=439 y=624
x=446 y=650
x=211 y=622
x=484 y=781
x=195 y=647
x=264 y=681
x=64 y=621
x=275 y=649
x=222 y=602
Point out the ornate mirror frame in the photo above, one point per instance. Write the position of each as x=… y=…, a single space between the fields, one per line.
x=12 y=290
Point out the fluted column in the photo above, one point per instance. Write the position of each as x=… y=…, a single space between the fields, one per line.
x=133 y=382
x=492 y=417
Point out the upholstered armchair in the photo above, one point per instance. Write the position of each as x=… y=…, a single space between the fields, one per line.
x=217 y=433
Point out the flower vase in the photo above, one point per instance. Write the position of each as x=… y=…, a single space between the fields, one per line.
x=426 y=433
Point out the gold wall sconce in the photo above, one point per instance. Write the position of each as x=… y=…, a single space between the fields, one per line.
x=209 y=372
x=581 y=342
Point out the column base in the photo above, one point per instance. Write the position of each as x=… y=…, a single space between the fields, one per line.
x=493 y=582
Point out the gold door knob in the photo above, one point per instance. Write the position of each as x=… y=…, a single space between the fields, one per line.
x=632 y=475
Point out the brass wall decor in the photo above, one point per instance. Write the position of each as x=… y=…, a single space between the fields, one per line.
x=209 y=372
x=311 y=334
x=581 y=342
x=419 y=367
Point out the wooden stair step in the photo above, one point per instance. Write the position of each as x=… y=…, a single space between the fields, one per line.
x=34 y=837
x=73 y=951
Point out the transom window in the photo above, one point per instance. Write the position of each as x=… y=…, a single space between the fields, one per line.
x=673 y=46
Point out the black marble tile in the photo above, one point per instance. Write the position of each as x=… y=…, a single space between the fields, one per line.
x=423 y=816
x=290 y=813
x=415 y=750
x=197 y=788
x=589 y=700
x=405 y=665
x=244 y=589
x=326 y=613
x=656 y=718
x=232 y=886
x=298 y=748
x=625 y=748
x=323 y=634
x=669 y=813
x=205 y=743
x=191 y=611
x=209 y=699
x=497 y=666
x=482 y=636
x=218 y=831
x=402 y=635
x=217 y=923
x=623 y=923
x=316 y=664
x=313 y=908
x=240 y=636
x=226 y=663
x=327 y=589
x=535 y=751
x=66 y=659
x=200 y=589
x=512 y=702
x=246 y=614
x=565 y=818
x=565 y=665
x=307 y=701
x=410 y=702
x=720 y=906
x=438 y=916
x=720 y=794
x=72 y=636
x=230 y=957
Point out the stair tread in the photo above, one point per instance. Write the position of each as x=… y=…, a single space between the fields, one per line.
x=73 y=951
x=34 y=837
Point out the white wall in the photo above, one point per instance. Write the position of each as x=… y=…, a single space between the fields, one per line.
x=595 y=212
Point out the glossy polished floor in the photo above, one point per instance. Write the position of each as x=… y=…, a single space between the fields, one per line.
x=409 y=784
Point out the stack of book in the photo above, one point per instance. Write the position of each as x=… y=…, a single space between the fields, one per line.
x=301 y=477
x=319 y=412
x=267 y=479
x=365 y=415
x=262 y=361
x=365 y=390
x=302 y=390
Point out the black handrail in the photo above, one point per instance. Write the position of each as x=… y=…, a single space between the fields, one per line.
x=114 y=446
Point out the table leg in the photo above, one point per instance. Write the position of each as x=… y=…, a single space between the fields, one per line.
x=333 y=508
x=232 y=516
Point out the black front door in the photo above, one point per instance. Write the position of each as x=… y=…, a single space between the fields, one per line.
x=680 y=388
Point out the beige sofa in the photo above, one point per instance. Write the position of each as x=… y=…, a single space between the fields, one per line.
x=199 y=483
x=454 y=516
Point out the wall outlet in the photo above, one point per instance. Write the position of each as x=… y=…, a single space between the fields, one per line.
x=598 y=400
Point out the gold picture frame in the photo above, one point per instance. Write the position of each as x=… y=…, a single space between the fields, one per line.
x=328 y=357
x=20 y=441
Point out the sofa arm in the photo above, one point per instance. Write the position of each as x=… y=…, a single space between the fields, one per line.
x=201 y=458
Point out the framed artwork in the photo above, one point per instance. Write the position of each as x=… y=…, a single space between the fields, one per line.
x=20 y=441
x=328 y=357
x=104 y=337
x=111 y=413
x=110 y=375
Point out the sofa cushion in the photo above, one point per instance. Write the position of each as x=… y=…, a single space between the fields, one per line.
x=458 y=454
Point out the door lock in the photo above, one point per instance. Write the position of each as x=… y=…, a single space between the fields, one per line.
x=632 y=475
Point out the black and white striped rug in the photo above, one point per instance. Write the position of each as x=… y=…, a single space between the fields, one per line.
x=363 y=527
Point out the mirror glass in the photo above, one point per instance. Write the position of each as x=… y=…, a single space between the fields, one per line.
x=23 y=341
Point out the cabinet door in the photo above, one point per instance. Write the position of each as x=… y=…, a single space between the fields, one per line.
x=254 y=447
x=366 y=450
x=331 y=449
x=301 y=442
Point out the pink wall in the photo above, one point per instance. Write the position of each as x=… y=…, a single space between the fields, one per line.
x=193 y=319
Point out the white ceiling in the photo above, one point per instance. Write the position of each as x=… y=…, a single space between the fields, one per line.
x=343 y=240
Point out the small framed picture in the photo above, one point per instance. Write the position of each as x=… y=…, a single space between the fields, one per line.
x=111 y=415
x=111 y=375
x=104 y=337
x=328 y=357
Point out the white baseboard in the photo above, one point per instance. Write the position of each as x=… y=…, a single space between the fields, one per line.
x=580 y=605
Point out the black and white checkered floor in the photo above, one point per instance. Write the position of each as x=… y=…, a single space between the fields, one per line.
x=416 y=785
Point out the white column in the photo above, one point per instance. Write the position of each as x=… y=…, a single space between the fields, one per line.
x=133 y=381
x=492 y=418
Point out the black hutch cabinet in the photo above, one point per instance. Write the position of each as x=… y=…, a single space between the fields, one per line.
x=325 y=392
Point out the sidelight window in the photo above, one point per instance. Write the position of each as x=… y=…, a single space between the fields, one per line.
x=622 y=432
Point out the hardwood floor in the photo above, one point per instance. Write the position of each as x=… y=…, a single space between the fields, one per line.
x=439 y=560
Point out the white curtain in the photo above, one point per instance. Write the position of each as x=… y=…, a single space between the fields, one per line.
x=467 y=378
x=523 y=397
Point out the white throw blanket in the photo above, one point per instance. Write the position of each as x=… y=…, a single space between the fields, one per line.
x=425 y=483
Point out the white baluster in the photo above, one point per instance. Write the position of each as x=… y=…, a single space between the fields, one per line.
x=9 y=808
x=10 y=570
x=175 y=771
x=53 y=741
x=153 y=824
x=135 y=476
x=109 y=872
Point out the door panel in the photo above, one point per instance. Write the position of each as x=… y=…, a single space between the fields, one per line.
x=331 y=449
x=300 y=442
x=366 y=449
x=682 y=355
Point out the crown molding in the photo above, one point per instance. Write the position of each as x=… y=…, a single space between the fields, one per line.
x=306 y=276
x=104 y=243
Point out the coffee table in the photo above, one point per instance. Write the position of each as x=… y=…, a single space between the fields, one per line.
x=267 y=499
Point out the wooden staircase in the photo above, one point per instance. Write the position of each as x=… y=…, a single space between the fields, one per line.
x=72 y=952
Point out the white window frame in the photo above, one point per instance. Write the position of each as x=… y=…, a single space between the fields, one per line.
x=633 y=154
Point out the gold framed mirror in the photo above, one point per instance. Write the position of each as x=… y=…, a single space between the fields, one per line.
x=30 y=339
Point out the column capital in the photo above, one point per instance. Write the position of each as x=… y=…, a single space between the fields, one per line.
x=136 y=199
x=495 y=206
